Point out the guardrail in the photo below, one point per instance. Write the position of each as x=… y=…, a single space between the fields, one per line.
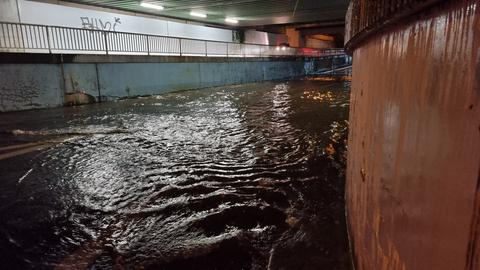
x=32 y=38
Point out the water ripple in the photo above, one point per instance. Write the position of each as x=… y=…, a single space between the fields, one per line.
x=240 y=177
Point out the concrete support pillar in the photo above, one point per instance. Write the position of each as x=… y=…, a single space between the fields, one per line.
x=413 y=199
x=295 y=38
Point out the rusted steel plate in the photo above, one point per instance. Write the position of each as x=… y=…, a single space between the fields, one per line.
x=414 y=144
x=366 y=17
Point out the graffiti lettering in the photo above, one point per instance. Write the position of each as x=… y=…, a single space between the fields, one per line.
x=117 y=21
x=98 y=24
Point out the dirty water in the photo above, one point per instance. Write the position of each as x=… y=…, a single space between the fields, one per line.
x=238 y=177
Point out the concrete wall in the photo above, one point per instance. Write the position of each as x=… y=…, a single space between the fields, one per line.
x=53 y=14
x=26 y=86
x=319 y=44
x=29 y=86
x=264 y=38
x=8 y=11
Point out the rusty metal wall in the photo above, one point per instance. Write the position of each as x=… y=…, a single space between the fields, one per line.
x=414 y=144
x=367 y=16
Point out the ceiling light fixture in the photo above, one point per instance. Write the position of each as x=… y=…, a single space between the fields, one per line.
x=150 y=5
x=196 y=14
x=231 y=20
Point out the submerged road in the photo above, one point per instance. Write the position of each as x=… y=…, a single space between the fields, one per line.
x=239 y=177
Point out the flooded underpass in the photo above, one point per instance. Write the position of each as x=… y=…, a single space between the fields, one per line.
x=240 y=177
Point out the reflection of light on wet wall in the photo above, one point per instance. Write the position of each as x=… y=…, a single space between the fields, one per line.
x=391 y=122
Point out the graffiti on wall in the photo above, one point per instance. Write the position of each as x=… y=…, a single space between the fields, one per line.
x=99 y=24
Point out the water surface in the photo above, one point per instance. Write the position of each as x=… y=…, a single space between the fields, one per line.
x=239 y=177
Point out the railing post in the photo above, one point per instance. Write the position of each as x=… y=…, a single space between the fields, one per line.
x=106 y=43
x=60 y=38
x=48 y=40
x=180 y=41
x=23 y=39
x=148 y=45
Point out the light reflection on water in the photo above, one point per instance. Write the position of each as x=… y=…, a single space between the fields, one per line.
x=239 y=177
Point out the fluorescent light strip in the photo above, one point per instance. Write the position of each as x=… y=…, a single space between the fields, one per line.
x=196 y=14
x=231 y=20
x=150 y=5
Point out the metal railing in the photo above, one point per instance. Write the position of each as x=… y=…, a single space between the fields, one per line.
x=32 y=38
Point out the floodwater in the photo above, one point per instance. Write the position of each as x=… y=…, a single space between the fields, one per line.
x=237 y=177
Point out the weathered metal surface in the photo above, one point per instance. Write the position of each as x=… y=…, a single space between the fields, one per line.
x=366 y=17
x=414 y=144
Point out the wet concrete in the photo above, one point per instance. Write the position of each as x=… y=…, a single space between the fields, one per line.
x=29 y=81
x=240 y=177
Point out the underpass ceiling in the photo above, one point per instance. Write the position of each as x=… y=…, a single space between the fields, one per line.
x=247 y=12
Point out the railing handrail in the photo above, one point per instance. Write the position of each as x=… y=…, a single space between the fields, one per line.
x=155 y=35
x=140 y=49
